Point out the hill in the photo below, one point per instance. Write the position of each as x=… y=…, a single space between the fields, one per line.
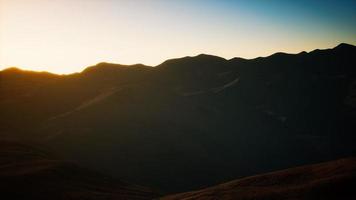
x=30 y=172
x=329 y=180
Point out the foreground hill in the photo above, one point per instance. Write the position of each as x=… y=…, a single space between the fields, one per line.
x=190 y=122
x=329 y=180
x=29 y=172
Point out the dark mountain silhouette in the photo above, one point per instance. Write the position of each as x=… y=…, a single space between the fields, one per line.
x=191 y=122
x=330 y=180
x=30 y=172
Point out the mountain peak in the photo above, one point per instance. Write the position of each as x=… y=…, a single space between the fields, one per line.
x=16 y=70
x=279 y=54
x=208 y=56
x=12 y=69
x=200 y=59
x=344 y=45
x=109 y=67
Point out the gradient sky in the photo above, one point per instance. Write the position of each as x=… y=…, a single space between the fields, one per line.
x=64 y=36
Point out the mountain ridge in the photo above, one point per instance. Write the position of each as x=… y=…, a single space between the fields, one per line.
x=202 y=55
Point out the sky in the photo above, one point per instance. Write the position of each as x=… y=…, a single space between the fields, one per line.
x=65 y=36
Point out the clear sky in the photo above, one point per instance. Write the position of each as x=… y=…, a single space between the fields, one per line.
x=65 y=36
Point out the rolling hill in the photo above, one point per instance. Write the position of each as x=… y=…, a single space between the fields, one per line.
x=29 y=171
x=329 y=180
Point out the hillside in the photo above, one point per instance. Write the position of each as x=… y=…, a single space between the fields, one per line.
x=329 y=180
x=30 y=172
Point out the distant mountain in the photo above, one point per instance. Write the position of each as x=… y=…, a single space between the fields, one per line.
x=190 y=122
x=330 y=180
x=30 y=172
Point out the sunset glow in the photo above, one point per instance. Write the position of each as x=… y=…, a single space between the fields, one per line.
x=65 y=36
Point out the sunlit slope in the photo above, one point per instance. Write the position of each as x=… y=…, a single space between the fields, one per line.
x=329 y=180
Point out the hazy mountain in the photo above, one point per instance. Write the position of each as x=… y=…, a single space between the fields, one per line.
x=190 y=122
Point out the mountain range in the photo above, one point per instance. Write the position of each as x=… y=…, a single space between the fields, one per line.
x=190 y=122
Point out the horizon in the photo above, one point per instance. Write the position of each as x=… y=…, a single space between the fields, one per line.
x=85 y=67
x=61 y=40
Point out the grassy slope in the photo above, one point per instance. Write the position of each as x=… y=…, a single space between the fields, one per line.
x=329 y=180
